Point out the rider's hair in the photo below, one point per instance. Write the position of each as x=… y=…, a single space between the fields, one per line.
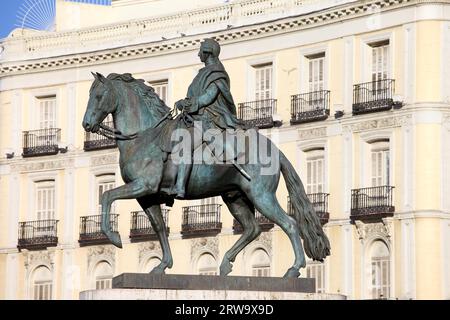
x=211 y=46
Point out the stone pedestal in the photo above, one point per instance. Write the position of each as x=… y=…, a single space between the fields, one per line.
x=135 y=286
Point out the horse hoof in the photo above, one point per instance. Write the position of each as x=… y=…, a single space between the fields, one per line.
x=114 y=237
x=292 y=273
x=225 y=269
x=157 y=270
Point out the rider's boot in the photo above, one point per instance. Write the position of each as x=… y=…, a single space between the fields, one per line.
x=184 y=171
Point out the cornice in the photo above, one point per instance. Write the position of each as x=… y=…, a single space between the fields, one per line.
x=233 y=35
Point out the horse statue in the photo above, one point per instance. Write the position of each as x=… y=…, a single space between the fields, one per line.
x=139 y=115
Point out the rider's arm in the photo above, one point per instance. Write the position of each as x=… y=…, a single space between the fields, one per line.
x=205 y=99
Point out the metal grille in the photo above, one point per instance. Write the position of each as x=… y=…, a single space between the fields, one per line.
x=312 y=106
x=41 y=142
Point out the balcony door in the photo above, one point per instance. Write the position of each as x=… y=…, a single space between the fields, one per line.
x=105 y=183
x=47 y=121
x=380 y=69
x=380 y=164
x=315 y=171
x=45 y=200
x=316 y=81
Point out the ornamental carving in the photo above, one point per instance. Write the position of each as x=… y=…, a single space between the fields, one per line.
x=312 y=133
x=149 y=248
x=372 y=230
x=382 y=123
x=97 y=253
x=43 y=166
x=210 y=244
x=105 y=159
x=33 y=259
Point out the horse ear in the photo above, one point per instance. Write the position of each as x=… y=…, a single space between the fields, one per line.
x=101 y=78
x=95 y=76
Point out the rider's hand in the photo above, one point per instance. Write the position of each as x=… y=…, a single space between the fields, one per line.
x=180 y=104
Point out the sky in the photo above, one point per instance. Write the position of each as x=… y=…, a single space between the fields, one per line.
x=9 y=10
x=8 y=16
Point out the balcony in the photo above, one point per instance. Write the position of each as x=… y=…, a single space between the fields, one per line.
x=309 y=107
x=264 y=223
x=41 y=142
x=37 y=235
x=259 y=113
x=320 y=205
x=201 y=220
x=141 y=228
x=372 y=204
x=95 y=141
x=90 y=230
x=374 y=96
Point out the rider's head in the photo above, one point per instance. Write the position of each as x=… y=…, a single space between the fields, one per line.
x=209 y=47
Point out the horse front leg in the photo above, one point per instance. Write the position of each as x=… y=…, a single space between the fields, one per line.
x=154 y=214
x=136 y=189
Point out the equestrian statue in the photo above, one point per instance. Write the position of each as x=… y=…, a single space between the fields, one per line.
x=145 y=127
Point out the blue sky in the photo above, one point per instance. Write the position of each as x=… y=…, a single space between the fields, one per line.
x=10 y=8
x=8 y=15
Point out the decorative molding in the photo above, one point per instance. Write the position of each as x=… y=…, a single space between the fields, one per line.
x=34 y=259
x=149 y=249
x=374 y=230
x=98 y=253
x=312 y=133
x=381 y=123
x=158 y=47
x=203 y=245
x=42 y=166
x=104 y=159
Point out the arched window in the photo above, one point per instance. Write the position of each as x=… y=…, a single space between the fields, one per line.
x=151 y=264
x=42 y=283
x=103 y=275
x=380 y=270
x=207 y=265
x=260 y=263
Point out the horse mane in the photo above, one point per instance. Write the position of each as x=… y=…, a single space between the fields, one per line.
x=149 y=97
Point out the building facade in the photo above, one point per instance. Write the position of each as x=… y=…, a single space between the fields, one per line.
x=355 y=93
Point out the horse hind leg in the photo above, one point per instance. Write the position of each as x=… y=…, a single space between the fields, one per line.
x=153 y=212
x=268 y=205
x=243 y=212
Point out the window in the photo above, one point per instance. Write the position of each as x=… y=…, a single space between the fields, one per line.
x=207 y=265
x=47 y=112
x=315 y=76
x=315 y=171
x=45 y=200
x=263 y=81
x=105 y=183
x=380 y=164
x=260 y=263
x=161 y=88
x=317 y=271
x=103 y=276
x=380 y=270
x=42 y=284
x=380 y=60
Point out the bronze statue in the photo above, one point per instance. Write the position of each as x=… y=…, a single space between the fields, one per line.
x=143 y=127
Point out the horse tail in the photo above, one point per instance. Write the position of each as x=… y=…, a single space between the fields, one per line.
x=315 y=241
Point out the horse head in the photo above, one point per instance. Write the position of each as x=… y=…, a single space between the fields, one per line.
x=101 y=103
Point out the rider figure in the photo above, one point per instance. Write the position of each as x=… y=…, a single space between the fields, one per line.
x=208 y=100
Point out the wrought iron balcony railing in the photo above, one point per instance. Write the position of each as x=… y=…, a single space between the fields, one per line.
x=374 y=96
x=201 y=220
x=38 y=235
x=41 y=142
x=95 y=141
x=258 y=113
x=90 y=230
x=264 y=223
x=320 y=205
x=372 y=203
x=141 y=228
x=308 y=107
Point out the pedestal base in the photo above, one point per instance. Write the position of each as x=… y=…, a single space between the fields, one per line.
x=141 y=286
x=170 y=294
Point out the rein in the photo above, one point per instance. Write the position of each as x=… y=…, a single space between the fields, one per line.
x=112 y=133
